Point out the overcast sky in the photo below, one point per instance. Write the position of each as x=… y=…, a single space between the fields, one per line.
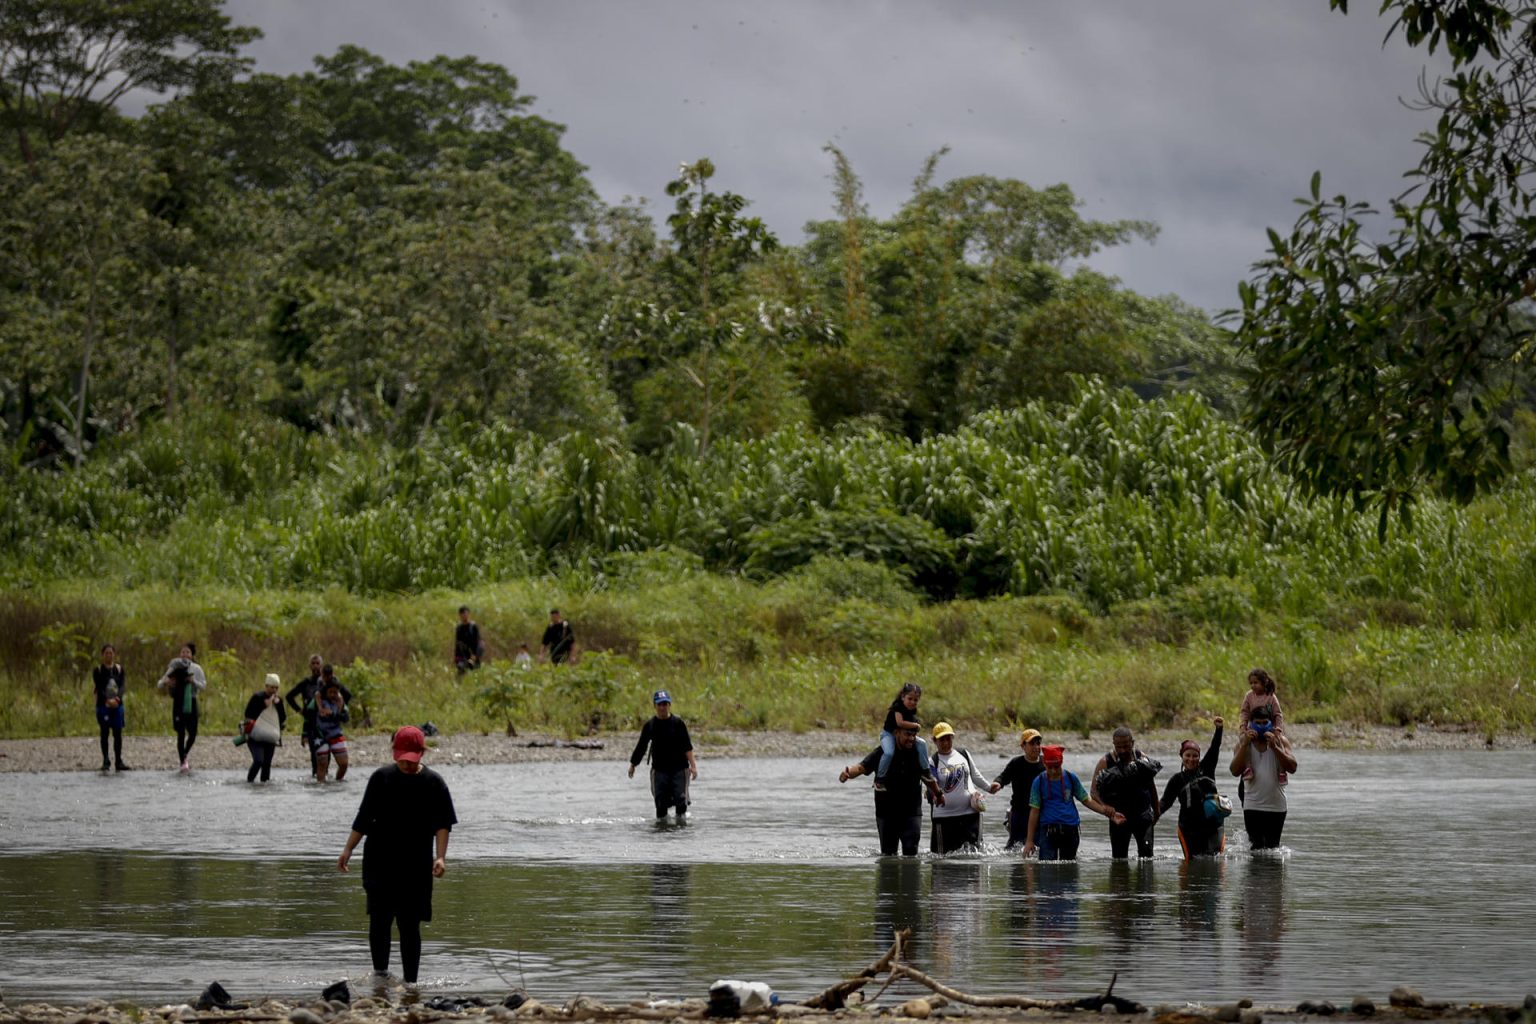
x=1206 y=116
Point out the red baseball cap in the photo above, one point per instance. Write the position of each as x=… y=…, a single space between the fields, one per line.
x=410 y=744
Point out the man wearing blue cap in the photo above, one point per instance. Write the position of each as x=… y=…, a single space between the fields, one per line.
x=672 y=763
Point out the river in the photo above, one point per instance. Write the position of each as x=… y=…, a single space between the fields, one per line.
x=1397 y=868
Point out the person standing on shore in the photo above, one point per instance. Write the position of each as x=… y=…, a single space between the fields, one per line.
x=406 y=815
x=899 y=800
x=558 y=639
x=1021 y=773
x=1201 y=831
x=1262 y=760
x=1124 y=779
x=264 y=718
x=184 y=680
x=468 y=648
x=108 y=681
x=672 y=761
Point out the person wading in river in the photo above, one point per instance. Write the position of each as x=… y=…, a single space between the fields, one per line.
x=1124 y=779
x=672 y=762
x=406 y=814
x=1053 y=818
x=1262 y=759
x=1020 y=773
x=899 y=801
x=1202 y=810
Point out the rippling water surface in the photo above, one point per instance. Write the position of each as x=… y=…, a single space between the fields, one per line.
x=1397 y=868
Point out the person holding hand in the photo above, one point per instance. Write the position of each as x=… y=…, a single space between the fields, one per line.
x=1053 y=817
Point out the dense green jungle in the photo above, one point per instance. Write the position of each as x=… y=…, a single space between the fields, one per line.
x=295 y=363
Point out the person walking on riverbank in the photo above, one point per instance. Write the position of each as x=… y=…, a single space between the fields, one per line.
x=1124 y=779
x=899 y=801
x=1202 y=812
x=183 y=681
x=406 y=815
x=1053 y=817
x=108 y=680
x=558 y=639
x=264 y=718
x=672 y=761
x=956 y=821
x=1262 y=758
x=468 y=648
x=1020 y=773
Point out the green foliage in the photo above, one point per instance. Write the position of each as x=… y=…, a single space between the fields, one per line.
x=1385 y=360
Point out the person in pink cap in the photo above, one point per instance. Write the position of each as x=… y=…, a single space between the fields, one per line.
x=406 y=814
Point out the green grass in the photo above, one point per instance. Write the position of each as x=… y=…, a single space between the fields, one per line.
x=787 y=655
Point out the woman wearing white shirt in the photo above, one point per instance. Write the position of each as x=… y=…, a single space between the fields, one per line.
x=957 y=821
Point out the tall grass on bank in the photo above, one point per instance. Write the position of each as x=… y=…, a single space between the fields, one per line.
x=824 y=647
x=1107 y=499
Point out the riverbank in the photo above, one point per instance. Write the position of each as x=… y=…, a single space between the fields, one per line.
x=215 y=751
x=375 y=1010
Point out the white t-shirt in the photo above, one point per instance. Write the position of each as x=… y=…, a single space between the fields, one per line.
x=953 y=774
x=1262 y=791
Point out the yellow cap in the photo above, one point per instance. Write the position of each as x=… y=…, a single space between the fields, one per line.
x=1027 y=735
x=943 y=729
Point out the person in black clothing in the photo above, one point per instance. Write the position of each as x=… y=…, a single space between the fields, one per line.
x=468 y=648
x=899 y=802
x=1200 y=833
x=263 y=730
x=406 y=813
x=108 y=680
x=1020 y=773
x=1123 y=779
x=672 y=762
x=558 y=638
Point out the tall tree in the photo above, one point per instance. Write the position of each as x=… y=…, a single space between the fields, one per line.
x=64 y=62
x=1384 y=360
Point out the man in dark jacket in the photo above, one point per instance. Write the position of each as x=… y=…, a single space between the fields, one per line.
x=899 y=805
x=406 y=814
x=672 y=762
x=1124 y=780
x=558 y=639
x=468 y=648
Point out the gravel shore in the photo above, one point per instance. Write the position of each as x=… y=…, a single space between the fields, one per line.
x=214 y=749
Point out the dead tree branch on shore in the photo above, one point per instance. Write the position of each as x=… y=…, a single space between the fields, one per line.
x=835 y=996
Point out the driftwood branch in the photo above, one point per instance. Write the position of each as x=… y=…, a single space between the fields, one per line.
x=1022 y=1002
x=834 y=997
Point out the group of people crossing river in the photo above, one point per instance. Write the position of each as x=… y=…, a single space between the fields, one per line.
x=1043 y=818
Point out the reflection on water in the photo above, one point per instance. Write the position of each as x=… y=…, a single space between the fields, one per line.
x=150 y=888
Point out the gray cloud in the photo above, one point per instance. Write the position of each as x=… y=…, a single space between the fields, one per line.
x=1203 y=115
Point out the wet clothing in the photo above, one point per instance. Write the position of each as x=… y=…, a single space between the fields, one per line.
x=467 y=646
x=956 y=832
x=670 y=789
x=1020 y=773
x=1056 y=833
x=1189 y=788
x=1128 y=787
x=956 y=824
x=1263 y=828
x=558 y=639
x=668 y=741
x=899 y=806
x=261 y=759
x=106 y=679
x=400 y=817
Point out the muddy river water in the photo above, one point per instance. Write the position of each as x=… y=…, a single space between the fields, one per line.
x=1396 y=867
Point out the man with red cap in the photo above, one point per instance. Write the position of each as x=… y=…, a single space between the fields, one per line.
x=1053 y=817
x=406 y=814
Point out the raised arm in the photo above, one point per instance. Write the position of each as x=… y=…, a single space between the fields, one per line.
x=1213 y=752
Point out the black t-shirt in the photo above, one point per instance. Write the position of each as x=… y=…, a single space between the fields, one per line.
x=903 y=794
x=669 y=743
x=466 y=640
x=1020 y=773
x=890 y=715
x=101 y=675
x=400 y=816
x=558 y=638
